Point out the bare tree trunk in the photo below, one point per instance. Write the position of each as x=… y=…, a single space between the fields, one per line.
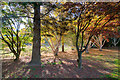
x=56 y=52
x=115 y=41
x=79 y=59
x=36 y=36
x=17 y=55
x=101 y=44
x=17 y=52
x=100 y=49
x=57 y=48
x=63 y=43
x=87 y=51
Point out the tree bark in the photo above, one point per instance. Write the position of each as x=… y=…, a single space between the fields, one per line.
x=56 y=52
x=100 y=39
x=36 y=56
x=17 y=56
x=115 y=41
x=57 y=48
x=79 y=59
x=63 y=44
x=100 y=49
x=63 y=47
x=89 y=46
x=87 y=51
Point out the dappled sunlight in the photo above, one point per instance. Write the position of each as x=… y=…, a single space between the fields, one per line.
x=28 y=72
x=111 y=50
x=94 y=65
x=47 y=54
x=59 y=39
x=90 y=66
x=77 y=76
x=67 y=63
x=96 y=51
x=103 y=71
x=110 y=65
x=47 y=72
x=70 y=54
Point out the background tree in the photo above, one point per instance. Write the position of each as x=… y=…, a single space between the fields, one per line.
x=115 y=39
x=91 y=43
x=13 y=36
x=63 y=22
x=52 y=33
x=99 y=41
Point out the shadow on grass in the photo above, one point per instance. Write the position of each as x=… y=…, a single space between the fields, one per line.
x=19 y=69
x=68 y=69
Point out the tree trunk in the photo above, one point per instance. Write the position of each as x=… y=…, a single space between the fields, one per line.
x=36 y=37
x=57 y=48
x=87 y=51
x=114 y=44
x=17 y=56
x=56 y=52
x=63 y=48
x=100 y=49
x=100 y=39
x=79 y=60
x=62 y=43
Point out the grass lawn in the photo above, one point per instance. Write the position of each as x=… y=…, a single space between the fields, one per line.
x=96 y=64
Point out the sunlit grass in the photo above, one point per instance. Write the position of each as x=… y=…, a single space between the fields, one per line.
x=108 y=59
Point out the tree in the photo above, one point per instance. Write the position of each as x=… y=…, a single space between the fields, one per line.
x=36 y=36
x=14 y=37
x=31 y=10
x=115 y=39
x=99 y=41
x=91 y=43
x=55 y=27
x=36 y=32
x=89 y=46
x=62 y=21
x=89 y=16
x=52 y=34
x=11 y=33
